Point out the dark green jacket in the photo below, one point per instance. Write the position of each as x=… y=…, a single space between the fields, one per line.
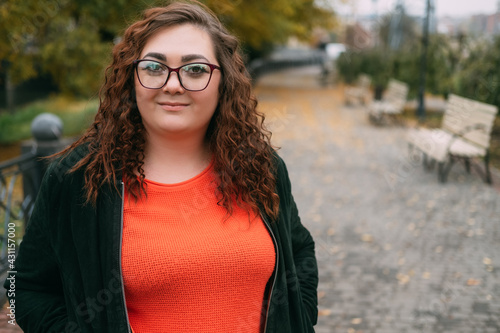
x=69 y=269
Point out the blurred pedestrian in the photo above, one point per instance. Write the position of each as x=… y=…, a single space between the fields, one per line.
x=172 y=213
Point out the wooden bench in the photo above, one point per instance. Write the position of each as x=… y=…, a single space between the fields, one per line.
x=359 y=94
x=464 y=134
x=391 y=105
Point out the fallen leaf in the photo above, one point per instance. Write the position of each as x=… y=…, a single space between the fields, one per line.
x=403 y=279
x=356 y=321
x=473 y=282
x=411 y=226
x=321 y=294
x=367 y=238
x=487 y=261
x=426 y=275
x=471 y=221
x=331 y=232
x=387 y=247
x=324 y=312
x=439 y=249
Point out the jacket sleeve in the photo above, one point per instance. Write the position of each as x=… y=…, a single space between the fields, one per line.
x=304 y=256
x=38 y=295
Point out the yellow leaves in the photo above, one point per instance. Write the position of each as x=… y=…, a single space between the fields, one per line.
x=324 y=312
x=258 y=22
x=489 y=264
x=487 y=261
x=367 y=238
x=403 y=278
x=356 y=321
x=473 y=282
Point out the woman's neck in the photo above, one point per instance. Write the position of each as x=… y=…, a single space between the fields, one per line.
x=174 y=161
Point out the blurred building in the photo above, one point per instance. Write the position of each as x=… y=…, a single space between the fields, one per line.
x=485 y=25
x=357 y=37
x=480 y=25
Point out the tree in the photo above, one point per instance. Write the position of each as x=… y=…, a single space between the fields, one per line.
x=397 y=30
x=479 y=77
x=71 y=39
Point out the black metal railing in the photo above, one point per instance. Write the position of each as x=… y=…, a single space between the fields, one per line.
x=18 y=187
x=20 y=180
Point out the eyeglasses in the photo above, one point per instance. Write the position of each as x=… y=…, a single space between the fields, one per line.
x=193 y=77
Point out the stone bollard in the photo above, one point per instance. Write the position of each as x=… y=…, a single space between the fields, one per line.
x=47 y=139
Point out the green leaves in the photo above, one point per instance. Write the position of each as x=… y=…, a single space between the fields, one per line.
x=72 y=39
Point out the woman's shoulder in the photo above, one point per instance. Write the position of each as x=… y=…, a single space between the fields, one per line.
x=281 y=172
x=62 y=164
x=279 y=164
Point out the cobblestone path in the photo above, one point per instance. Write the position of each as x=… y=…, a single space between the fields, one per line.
x=398 y=251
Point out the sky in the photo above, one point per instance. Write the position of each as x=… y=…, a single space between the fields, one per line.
x=457 y=8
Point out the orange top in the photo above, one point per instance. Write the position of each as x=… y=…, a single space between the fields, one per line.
x=186 y=268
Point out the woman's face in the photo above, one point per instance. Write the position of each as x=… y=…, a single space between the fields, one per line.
x=173 y=111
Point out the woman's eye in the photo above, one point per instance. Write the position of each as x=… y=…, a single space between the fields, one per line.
x=152 y=67
x=196 y=69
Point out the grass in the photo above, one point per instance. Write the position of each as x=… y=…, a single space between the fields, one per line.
x=76 y=116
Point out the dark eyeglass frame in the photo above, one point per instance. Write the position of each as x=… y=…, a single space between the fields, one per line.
x=176 y=70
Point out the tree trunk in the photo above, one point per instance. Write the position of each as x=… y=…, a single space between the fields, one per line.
x=9 y=90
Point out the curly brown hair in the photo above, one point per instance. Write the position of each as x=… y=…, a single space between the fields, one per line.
x=237 y=139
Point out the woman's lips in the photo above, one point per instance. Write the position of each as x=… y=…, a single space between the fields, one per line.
x=173 y=106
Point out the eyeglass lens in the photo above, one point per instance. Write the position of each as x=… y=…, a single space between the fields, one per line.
x=154 y=75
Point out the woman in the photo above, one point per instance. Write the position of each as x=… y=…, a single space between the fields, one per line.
x=172 y=213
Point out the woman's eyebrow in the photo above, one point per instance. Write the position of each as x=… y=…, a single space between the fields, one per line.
x=156 y=55
x=191 y=57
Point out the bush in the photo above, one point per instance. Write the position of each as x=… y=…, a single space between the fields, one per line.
x=444 y=58
x=479 y=77
x=75 y=115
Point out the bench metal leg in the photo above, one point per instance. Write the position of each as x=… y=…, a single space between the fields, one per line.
x=444 y=169
x=467 y=165
x=487 y=168
x=429 y=162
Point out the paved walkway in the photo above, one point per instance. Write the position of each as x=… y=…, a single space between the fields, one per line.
x=398 y=252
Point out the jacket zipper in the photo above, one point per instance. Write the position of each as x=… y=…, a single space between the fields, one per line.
x=120 y=257
x=275 y=271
